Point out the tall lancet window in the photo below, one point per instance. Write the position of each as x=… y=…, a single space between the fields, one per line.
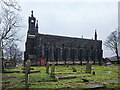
x=43 y=50
x=68 y=53
x=61 y=51
x=76 y=53
x=52 y=52
x=58 y=53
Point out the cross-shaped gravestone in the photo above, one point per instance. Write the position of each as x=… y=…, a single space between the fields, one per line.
x=52 y=70
x=88 y=68
x=27 y=70
x=47 y=68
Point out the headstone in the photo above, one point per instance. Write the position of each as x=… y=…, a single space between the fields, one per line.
x=88 y=68
x=7 y=64
x=85 y=80
x=52 y=70
x=108 y=64
x=93 y=72
x=74 y=70
x=47 y=68
x=27 y=71
x=55 y=78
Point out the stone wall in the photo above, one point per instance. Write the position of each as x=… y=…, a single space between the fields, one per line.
x=66 y=48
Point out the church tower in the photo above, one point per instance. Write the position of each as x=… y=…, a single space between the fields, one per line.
x=33 y=25
x=31 y=42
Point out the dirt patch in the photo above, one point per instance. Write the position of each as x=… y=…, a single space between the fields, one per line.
x=5 y=82
x=5 y=86
x=11 y=72
x=7 y=78
x=32 y=72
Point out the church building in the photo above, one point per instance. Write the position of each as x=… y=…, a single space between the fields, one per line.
x=53 y=48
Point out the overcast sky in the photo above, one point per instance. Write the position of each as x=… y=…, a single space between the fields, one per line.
x=73 y=18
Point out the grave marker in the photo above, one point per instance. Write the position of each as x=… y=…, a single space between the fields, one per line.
x=47 y=68
x=27 y=71
x=74 y=70
x=88 y=68
x=52 y=70
x=93 y=72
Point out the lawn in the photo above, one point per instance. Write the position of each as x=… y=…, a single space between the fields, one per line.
x=104 y=75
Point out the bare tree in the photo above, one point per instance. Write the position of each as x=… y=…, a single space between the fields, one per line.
x=112 y=42
x=9 y=22
x=13 y=53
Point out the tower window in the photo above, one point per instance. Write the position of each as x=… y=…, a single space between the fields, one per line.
x=32 y=21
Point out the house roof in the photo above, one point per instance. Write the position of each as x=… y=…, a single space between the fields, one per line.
x=113 y=58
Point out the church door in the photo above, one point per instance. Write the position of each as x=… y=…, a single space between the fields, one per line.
x=43 y=62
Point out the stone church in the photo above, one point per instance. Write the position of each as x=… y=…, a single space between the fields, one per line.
x=59 y=48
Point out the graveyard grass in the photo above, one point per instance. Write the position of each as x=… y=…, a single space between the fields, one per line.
x=43 y=80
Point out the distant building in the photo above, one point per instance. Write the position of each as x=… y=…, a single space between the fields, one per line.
x=114 y=60
x=59 y=48
x=107 y=61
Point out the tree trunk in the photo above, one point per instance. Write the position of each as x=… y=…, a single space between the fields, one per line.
x=1 y=52
x=117 y=55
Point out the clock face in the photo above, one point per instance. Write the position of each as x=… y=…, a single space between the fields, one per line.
x=32 y=21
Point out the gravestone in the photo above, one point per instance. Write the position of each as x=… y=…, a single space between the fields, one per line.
x=27 y=71
x=47 y=68
x=55 y=79
x=52 y=70
x=74 y=70
x=93 y=72
x=88 y=68
x=7 y=64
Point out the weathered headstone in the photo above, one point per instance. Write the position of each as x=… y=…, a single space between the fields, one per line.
x=55 y=78
x=27 y=71
x=7 y=64
x=47 y=68
x=52 y=70
x=74 y=70
x=93 y=72
x=85 y=80
x=88 y=68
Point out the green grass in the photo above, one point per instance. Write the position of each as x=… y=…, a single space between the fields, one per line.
x=43 y=80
